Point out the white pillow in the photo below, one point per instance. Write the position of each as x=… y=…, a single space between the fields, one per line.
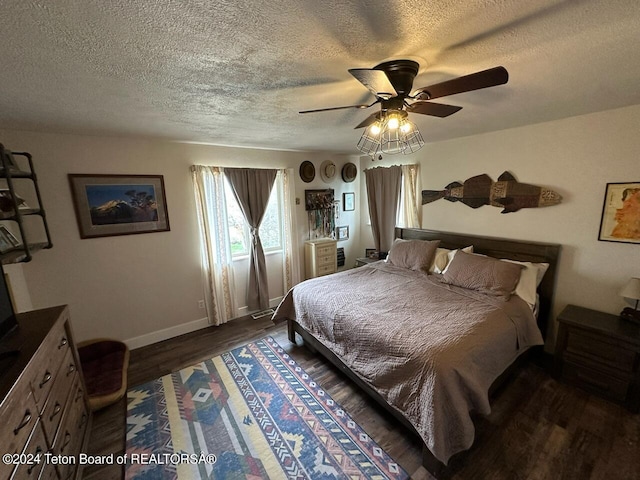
x=530 y=278
x=443 y=257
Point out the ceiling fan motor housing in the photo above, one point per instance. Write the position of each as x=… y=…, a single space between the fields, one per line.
x=401 y=74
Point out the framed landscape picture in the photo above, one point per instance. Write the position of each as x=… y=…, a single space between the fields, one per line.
x=620 y=220
x=108 y=205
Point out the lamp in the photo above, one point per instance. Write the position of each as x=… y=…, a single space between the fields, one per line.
x=631 y=291
x=391 y=133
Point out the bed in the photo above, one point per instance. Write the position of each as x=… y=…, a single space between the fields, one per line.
x=429 y=351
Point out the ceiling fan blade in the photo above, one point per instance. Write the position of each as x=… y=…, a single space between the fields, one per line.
x=434 y=109
x=475 y=81
x=376 y=81
x=368 y=121
x=338 y=108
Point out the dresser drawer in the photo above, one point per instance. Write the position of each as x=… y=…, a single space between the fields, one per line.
x=37 y=446
x=56 y=402
x=326 y=260
x=326 y=250
x=18 y=416
x=612 y=354
x=326 y=269
x=596 y=381
x=70 y=436
x=46 y=363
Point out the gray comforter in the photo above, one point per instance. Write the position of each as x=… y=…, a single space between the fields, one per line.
x=431 y=350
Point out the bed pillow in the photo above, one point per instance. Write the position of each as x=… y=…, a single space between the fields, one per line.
x=412 y=254
x=483 y=274
x=530 y=278
x=442 y=258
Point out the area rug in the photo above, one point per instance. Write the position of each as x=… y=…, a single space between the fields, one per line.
x=250 y=413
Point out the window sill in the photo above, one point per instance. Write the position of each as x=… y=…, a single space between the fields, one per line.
x=246 y=257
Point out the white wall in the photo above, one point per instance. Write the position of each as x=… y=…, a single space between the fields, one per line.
x=143 y=287
x=577 y=157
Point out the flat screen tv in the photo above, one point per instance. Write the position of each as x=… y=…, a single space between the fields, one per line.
x=7 y=315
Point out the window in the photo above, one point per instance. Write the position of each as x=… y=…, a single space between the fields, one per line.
x=270 y=228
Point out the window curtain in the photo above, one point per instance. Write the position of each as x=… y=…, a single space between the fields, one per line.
x=408 y=213
x=252 y=188
x=383 y=194
x=290 y=255
x=217 y=268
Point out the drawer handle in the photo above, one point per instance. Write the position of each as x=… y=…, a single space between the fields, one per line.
x=72 y=368
x=56 y=410
x=67 y=439
x=82 y=421
x=63 y=343
x=35 y=464
x=45 y=379
x=79 y=395
x=25 y=421
x=595 y=383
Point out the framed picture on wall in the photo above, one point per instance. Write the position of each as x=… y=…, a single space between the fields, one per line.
x=109 y=205
x=349 y=201
x=621 y=213
x=342 y=233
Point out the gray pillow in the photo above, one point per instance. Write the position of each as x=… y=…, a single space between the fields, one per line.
x=483 y=274
x=413 y=254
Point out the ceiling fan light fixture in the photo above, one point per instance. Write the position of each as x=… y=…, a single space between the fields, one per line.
x=394 y=133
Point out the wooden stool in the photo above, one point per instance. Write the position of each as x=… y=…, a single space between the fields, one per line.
x=104 y=365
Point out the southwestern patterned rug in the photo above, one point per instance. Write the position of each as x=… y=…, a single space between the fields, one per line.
x=250 y=413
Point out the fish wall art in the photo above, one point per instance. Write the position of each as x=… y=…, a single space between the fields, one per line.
x=507 y=193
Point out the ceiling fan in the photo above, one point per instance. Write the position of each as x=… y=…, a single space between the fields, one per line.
x=391 y=83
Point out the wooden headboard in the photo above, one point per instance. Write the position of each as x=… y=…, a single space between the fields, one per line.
x=520 y=250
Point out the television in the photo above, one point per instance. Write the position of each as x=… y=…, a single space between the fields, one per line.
x=7 y=315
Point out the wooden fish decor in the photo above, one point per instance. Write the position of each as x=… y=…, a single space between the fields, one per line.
x=507 y=192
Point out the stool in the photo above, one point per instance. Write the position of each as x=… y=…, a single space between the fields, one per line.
x=104 y=365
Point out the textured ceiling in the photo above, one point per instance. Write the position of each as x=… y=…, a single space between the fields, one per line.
x=236 y=72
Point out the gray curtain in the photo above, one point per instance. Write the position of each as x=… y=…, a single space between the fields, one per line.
x=383 y=194
x=252 y=188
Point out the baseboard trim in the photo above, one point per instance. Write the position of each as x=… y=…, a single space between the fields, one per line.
x=167 y=333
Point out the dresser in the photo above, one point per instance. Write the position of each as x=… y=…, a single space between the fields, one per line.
x=44 y=412
x=600 y=353
x=320 y=257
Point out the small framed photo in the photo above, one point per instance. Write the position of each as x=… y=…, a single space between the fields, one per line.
x=620 y=213
x=371 y=253
x=342 y=233
x=349 y=201
x=8 y=240
x=109 y=205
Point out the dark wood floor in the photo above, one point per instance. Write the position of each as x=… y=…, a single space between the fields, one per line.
x=538 y=429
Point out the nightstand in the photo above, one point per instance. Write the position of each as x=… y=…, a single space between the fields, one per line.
x=364 y=261
x=599 y=353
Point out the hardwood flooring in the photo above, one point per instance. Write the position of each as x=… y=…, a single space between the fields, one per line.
x=538 y=429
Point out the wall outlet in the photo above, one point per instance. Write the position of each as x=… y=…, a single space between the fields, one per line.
x=201 y=304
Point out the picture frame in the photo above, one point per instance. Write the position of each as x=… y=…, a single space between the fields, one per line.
x=8 y=240
x=108 y=205
x=342 y=233
x=621 y=213
x=371 y=253
x=349 y=201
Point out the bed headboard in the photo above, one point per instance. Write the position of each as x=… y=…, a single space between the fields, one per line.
x=521 y=250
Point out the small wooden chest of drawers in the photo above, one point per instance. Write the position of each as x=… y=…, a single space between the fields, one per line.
x=321 y=257
x=600 y=353
x=43 y=406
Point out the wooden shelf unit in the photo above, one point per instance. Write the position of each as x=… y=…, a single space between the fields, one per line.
x=12 y=174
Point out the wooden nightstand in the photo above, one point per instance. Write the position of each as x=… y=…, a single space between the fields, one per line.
x=600 y=353
x=364 y=261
